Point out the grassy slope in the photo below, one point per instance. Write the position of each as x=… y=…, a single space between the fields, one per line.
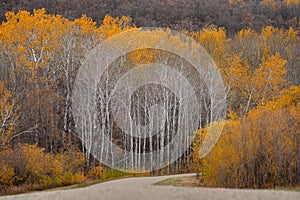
x=191 y=181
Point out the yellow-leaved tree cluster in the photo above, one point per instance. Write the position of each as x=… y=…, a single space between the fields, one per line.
x=260 y=142
x=40 y=55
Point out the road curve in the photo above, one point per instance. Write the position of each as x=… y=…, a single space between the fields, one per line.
x=143 y=188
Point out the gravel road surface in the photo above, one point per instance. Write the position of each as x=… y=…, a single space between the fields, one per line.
x=144 y=189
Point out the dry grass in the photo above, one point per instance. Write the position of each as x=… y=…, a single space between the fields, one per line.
x=186 y=181
x=191 y=181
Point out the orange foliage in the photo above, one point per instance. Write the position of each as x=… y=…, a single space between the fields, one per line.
x=29 y=164
x=112 y=26
x=260 y=143
x=258 y=151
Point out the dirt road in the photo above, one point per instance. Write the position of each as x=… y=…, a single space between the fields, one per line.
x=144 y=189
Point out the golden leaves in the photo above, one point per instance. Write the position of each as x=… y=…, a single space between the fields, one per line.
x=111 y=26
x=269 y=78
x=296 y=2
x=263 y=143
x=214 y=41
x=245 y=34
x=86 y=24
x=260 y=138
x=7 y=117
x=6 y=177
x=34 y=166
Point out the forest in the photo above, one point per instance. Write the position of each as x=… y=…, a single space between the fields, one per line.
x=192 y=15
x=254 y=44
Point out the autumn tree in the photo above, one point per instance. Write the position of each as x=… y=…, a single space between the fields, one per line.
x=260 y=150
x=8 y=117
x=40 y=57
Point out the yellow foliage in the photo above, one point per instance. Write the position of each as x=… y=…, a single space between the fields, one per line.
x=269 y=79
x=142 y=56
x=259 y=150
x=245 y=34
x=86 y=24
x=255 y=76
x=6 y=177
x=292 y=2
x=95 y=172
x=7 y=117
x=274 y=40
x=214 y=41
x=69 y=178
x=237 y=74
x=112 y=26
x=289 y=96
x=33 y=166
x=232 y=115
x=255 y=71
x=37 y=164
